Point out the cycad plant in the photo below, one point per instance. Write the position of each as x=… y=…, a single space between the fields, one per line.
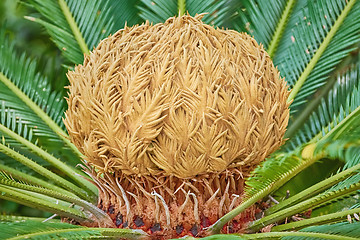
x=306 y=189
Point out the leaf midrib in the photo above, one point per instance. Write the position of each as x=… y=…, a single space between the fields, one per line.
x=295 y=90
x=74 y=27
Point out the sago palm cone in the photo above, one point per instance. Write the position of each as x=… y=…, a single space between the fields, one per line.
x=171 y=118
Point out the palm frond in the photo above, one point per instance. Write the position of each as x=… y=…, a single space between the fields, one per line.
x=315 y=189
x=340 y=190
x=323 y=219
x=13 y=71
x=159 y=10
x=322 y=232
x=34 y=230
x=43 y=202
x=27 y=146
x=75 y=26
x=123 y=12
x=29 y=179
x=321 y=39
x=59 y=195
x=341 y=101
x=43 y=171
x=12 y=218
x=266 y=21
x=344 y=229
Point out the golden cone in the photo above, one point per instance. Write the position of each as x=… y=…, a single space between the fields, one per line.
x=173 y=117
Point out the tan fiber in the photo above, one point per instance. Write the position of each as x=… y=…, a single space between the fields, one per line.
x=176 y=99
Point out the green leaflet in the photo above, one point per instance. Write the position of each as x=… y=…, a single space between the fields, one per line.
x=341 y=101
x=159 y=10
x=75 y=26
x=35 y=230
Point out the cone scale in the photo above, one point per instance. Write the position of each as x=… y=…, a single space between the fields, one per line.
x=171 y=119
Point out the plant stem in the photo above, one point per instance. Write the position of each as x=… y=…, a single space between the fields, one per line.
x=43 y=171
x=104 y=233
x=39 y=112
x=328 y=218
x=35 y=202
x=99 y=214
x=32 y=180
x=71 y=172
x=182 y=7
x=305 y=235
x=315 y=189
x=302 y=206
x=320 y=51
x=280 y=28
x=74 y=27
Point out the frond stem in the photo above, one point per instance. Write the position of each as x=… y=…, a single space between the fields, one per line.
x=119 y=233
x=278 y=235
x=182 y=7
x=31 y=179
x=72 y=173
x=306 y=112
x=280 y=28
x=99 y=214
x=315 y=189
x=324 y=219
x=42 y=171
x=40 y=203
x=302 y=206
x=320 y=51
x=74 y=27
x=38 y=111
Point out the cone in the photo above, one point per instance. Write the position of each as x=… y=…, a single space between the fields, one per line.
x=171 y=119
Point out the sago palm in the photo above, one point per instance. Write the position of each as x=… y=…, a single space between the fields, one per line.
x=178 y=126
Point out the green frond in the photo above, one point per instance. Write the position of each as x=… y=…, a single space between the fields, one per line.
x=15 y=70
x=341 y=101
x=33 y=230
x=321 y=39
x=314 y=189
x=39 y=152
x=323 y=219
x=266 y=21
x=75 y=26
x=29 y=179
x=43 y=171
x=123 y=12
x=159 y=10
x=59 y=195
x=29 y=94
x=344 y=229
x=12 y=218
x=341 y=233
x=43 y=202
x=10 y=120
x=340 y=190
x=216 y=10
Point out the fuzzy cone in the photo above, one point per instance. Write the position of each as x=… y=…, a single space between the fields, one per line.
x=172 y=116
